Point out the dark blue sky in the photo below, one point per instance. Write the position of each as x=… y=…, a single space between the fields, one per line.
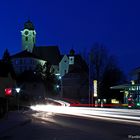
x=75 y=23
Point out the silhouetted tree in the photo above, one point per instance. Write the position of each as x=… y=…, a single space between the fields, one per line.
x=6 y=59
x=112 y=75
x=103 y=68
x=48 y=77
x=98 y=58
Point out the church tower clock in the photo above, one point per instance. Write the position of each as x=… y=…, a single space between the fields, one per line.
x=28 y=36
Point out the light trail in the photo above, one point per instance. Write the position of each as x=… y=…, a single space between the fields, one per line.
x=124 y=115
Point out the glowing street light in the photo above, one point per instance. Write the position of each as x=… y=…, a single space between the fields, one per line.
x=18 y=90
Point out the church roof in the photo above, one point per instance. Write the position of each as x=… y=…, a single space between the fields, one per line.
x=49 y=53
x=28 y=25
x=24 y=54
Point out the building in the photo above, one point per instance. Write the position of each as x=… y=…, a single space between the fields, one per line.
x=25 y=60
x=75 y=81
x=131 y=91
x=32 y=55
x=67 y=67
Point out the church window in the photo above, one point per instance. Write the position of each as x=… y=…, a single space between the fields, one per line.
x=30 y=68
x=16 y=62
x=26 y=38
x=24 y=61
x=21 y=62
x=25 y=68
x=31 y=61
x=20 y=69
x=71 y=60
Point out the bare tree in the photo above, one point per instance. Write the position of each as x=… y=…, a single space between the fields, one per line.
x=104 y=69
x=98 y=60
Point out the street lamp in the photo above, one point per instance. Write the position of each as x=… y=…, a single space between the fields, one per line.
x=61 y=91
x=18 y=90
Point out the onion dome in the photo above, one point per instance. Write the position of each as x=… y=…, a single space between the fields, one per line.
x=28 y=25
x=72 y=52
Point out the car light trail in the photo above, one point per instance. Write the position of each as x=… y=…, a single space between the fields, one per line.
x=125 y=115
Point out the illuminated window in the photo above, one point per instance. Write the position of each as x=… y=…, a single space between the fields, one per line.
x=114 y=101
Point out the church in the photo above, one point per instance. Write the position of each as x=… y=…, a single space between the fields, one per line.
x=71 y=68
x=31 y=55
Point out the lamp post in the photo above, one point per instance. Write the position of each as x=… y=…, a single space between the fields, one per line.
x=89 y=79
x=61 y=92
x=18 y=90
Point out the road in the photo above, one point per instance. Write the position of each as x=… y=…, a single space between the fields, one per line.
x=58 y=126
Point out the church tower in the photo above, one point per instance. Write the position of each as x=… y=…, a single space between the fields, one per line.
x=71 y=57
x=28 y=36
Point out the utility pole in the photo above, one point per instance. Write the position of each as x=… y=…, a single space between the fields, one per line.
x=61 y=88
x=89 y=78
